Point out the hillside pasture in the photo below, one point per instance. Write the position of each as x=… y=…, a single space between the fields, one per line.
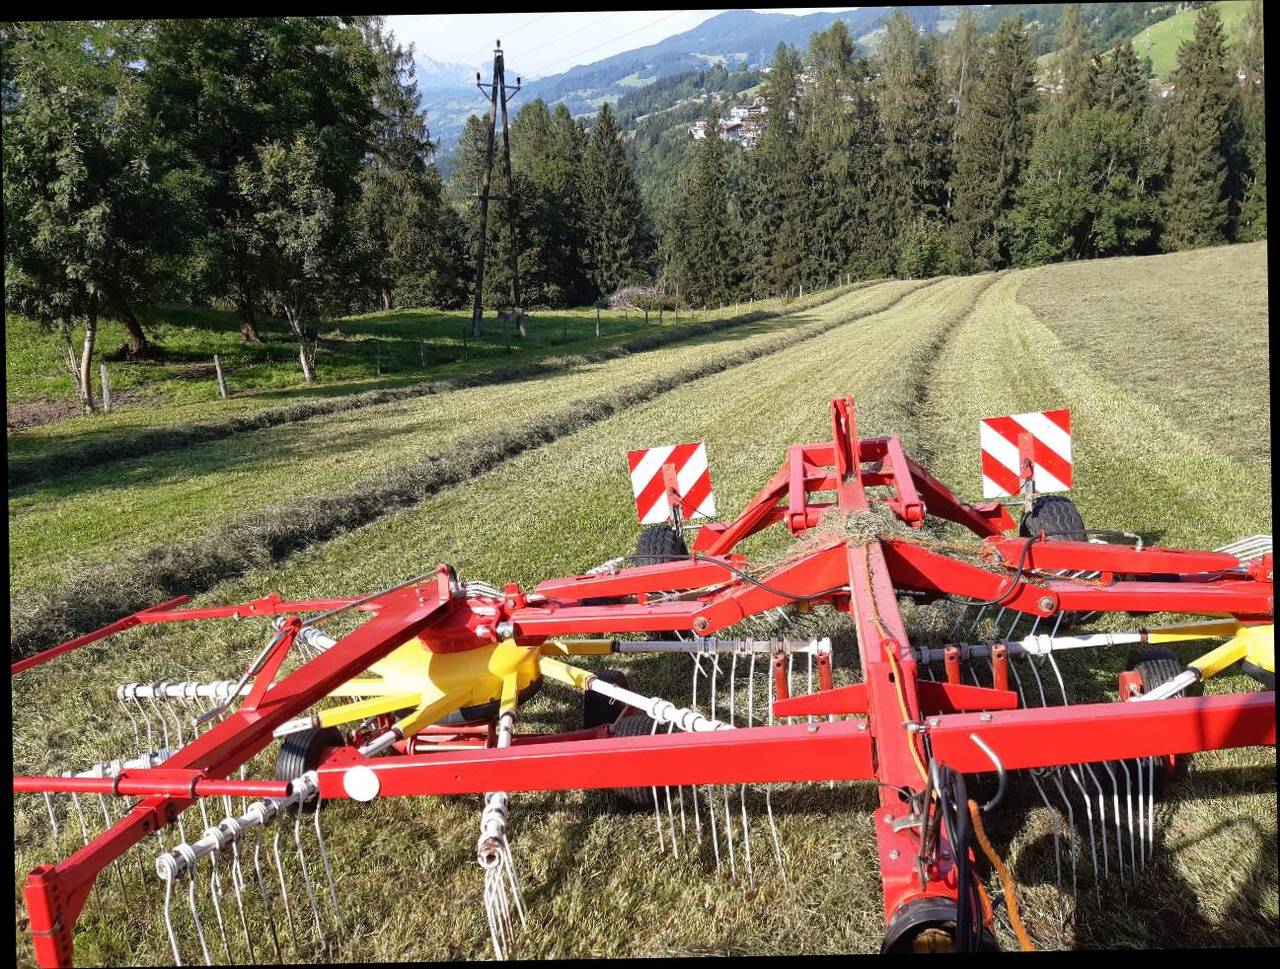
x=924 y=361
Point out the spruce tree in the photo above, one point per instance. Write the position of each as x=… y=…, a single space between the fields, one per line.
x=992 y=148
x=774 y=247
x=1253 y=96
x=913 y=137
x=1203 y=139
x=612 y=211
x=711 y=274
x=1071 y=80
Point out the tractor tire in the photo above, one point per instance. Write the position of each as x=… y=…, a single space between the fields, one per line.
x=598 y=709
x=1057 y=517
x=1158 y=666
x=634 y=725
x=300 y=752
x=658 y=544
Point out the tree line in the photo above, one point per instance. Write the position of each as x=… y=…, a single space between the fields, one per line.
x=284 y=165
x=941 y=155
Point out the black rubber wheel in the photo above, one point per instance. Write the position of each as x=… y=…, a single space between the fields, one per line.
x=658 y=544
x=928 y=925
x=598 y=709
x=484 y=712
x=1057 y=517
x=1158 y=666
x=634 y=725
x=300 y=752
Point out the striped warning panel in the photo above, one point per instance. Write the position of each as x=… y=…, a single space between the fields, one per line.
x=1049 y=435
x=693 y=482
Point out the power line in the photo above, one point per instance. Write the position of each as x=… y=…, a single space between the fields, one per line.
x=613 y=40
x=515 y=30
x=572 y=32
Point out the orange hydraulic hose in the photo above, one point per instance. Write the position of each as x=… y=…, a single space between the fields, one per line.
x=1005 y=879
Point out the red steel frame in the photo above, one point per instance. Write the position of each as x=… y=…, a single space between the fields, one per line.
x=884 y=745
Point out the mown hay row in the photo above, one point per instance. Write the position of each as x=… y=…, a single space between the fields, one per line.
x=59 y=460
x=95 y=592
x=550 y=510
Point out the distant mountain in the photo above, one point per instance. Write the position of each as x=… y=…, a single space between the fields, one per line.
x=731 y=38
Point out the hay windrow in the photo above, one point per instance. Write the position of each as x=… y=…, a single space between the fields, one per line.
x=58 y=461
x=99 y=591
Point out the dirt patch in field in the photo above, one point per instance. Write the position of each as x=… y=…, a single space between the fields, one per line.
x=34 y=413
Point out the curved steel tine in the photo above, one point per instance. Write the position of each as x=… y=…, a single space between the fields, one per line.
x=724 y=790
x=284 y=890
x=693 y=702
x=53 y=818
x=1057 y=843
x=768 y=788
x=977 y=619
x=1071 y=826
x=1138 y=769
x=328 y=872
x=306 y=877
x=215 y=895
x=1102 y=816
x=657 y=810
x=1151 y=809
x=1115 y=806
x=237 y=889
x=675 y=850
x=715 y=668
x=195 y=915
x=146 y=723
x=1093 y=844
x=107 y=820
x=266 y=897
x=168 y=920
x=742 y=791
x=808 y=688
x=164 y=723
x=137 y=737
x=1128 y=805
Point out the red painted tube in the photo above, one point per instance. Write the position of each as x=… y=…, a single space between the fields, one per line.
x=139 y=784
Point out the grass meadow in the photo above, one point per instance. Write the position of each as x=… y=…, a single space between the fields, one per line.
x=922 y=359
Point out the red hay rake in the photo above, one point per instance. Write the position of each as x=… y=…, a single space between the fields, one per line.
x=451 y=662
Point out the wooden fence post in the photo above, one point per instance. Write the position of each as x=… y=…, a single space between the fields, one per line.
x=646 y=316
x=378 y=346
x=659 y=315
x=106 y=389
x=597 y=322
x=222 y=380
x=564 y=329
x=422 y=353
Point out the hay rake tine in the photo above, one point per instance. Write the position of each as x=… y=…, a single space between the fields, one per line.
x=657 y=810
x=1102 y=816
x=727 y=817
x=1057 y=846
x=1151 y=809
x=768 y=789
x=195 y=915
x=53 y=819
x=267 y=906
x=1071 y=826
x=108 y=821
x=746 y=831
x=284 y=890
x=1093 y=843
x=1115 y=806
x=693 y=702
x=306 y=878
x=493 y=852
x=237 y=889
x=215 y=896
x=328 y=872
x=675 y=850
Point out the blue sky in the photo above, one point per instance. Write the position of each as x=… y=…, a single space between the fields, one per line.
x=548 y=43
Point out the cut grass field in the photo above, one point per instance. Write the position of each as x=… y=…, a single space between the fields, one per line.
x=926 y=365
x=51 y=449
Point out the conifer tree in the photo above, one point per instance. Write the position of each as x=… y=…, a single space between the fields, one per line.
x=1253 y=96
x=710 y=276
x=613 y=215
x=1071 y=82
x=913 y=138
x=1203 y=138
x=992 y=148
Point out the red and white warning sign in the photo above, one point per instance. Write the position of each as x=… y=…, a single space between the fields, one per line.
x=1044 y=437
x=692 y=482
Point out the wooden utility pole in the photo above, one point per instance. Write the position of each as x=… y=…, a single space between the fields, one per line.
x=497 y=90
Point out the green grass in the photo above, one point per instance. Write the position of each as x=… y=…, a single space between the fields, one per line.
x=53 y=448
x=265 y=494
x=1161 y=40
x=926 y=367
x=1222 y=396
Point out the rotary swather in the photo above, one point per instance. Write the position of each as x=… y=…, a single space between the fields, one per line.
x=423 y=697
